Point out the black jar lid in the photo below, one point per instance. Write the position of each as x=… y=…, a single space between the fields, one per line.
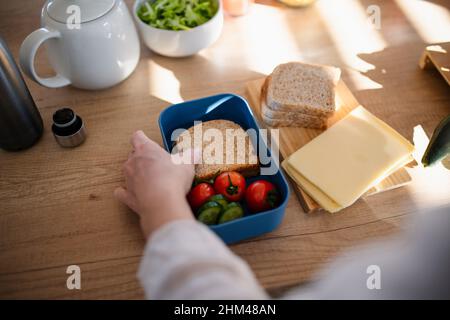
x=68 y=128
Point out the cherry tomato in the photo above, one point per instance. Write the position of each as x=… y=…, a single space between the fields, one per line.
x=231 y=185
x=200 y=194
x=261 y=195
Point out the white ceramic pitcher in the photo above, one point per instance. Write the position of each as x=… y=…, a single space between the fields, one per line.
x=90 y=44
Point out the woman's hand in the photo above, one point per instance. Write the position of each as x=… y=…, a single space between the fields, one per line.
x=156 y=186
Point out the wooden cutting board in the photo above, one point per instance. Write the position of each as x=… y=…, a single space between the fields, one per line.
x=437 y=56
x=291 y=139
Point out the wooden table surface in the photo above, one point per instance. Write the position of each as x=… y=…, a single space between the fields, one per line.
x=56 y=205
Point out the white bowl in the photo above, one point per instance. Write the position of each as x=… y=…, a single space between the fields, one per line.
x=180 y=43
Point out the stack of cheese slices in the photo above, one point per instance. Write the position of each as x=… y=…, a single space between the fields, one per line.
x=341 y=164
x=299 y=95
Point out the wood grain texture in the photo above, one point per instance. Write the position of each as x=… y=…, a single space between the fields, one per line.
x=293 y=138
x=56 y=205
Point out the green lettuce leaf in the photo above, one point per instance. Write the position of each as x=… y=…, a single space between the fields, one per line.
x=177 y=14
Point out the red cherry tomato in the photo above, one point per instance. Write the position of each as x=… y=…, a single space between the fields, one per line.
x=200 y=194
x=261 y=195
x=231 y=185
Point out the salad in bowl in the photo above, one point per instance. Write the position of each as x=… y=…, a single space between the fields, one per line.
x=179 y=28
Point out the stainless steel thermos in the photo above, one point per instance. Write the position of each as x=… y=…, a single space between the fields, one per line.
x=20 y=122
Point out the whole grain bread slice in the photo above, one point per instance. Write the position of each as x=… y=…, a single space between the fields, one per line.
x=286 y=114
x=291 y=122
x=244 y=160
x=303 y=88
x=288 y=118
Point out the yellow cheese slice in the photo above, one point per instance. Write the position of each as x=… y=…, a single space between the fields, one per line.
x=320 y=197
x=348 y=159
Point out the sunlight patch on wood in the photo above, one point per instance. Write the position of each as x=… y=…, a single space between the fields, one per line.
x=351 y=31
x=163 y=84
x=265 y=41
x=421 y=13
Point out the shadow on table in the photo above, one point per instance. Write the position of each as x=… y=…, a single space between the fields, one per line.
x=403 y=82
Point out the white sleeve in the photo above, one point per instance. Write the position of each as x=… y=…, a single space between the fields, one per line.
x=185 y=260
x=415 y=265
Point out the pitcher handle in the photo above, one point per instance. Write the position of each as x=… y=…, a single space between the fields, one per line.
x=27 y=54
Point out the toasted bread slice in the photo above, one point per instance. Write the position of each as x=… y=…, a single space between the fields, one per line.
x=228 y=148
x=303 y=88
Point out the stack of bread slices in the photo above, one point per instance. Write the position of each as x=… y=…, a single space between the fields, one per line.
x=299 y=95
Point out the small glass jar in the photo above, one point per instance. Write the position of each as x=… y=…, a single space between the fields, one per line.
x=236 y=7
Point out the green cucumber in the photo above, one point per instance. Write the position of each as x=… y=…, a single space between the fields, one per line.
x=209 y=212
x=220 y=199
x=231 y=212
x=439 y=145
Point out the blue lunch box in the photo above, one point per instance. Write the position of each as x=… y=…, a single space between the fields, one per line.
x=234 y=108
